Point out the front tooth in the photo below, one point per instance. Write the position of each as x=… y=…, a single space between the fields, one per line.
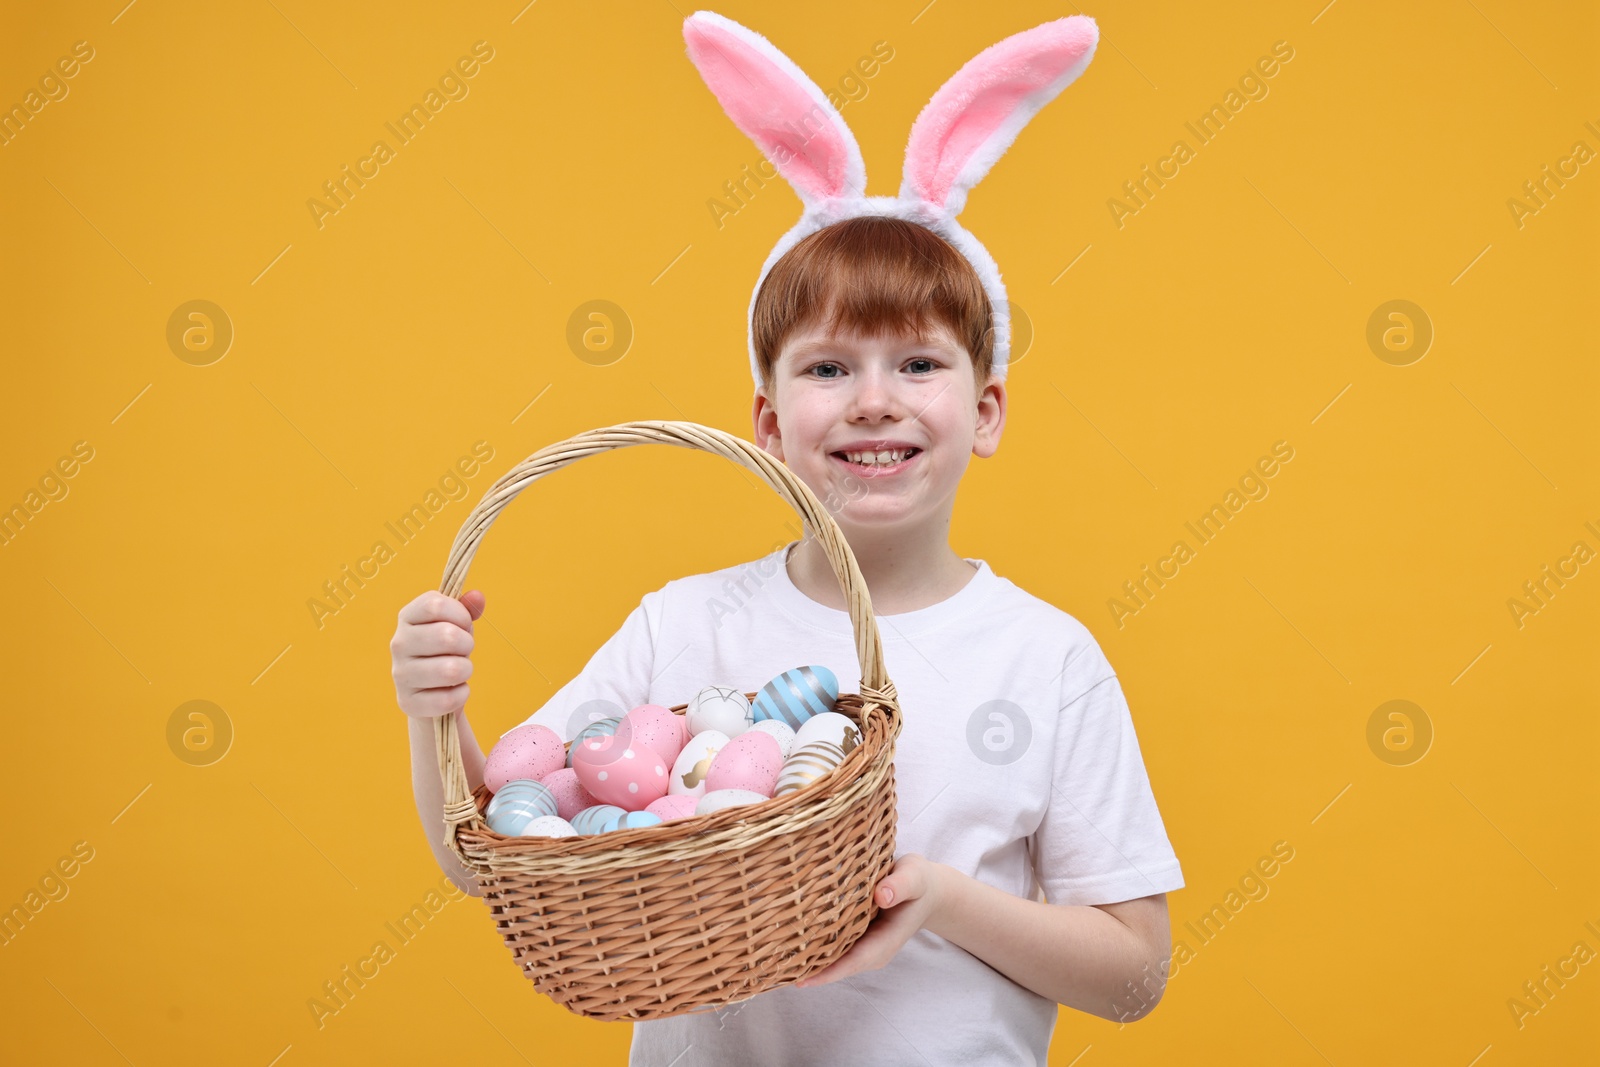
x=875 y=458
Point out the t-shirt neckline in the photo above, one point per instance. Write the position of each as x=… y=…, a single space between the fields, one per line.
x=788 y=597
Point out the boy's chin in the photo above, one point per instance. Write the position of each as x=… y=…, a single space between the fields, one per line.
x=875 y=524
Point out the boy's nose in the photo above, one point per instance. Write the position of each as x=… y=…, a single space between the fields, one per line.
x=874 y=395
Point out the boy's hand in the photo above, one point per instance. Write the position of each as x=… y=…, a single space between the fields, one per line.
x=430 y=647
x=909 y=895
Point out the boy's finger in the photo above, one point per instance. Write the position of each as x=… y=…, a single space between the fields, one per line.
x=434 y=606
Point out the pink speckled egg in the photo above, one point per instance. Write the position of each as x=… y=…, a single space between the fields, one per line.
x=529 y=751
x=752 y=761
x=672 y=807
x=615 y=771
x=571 y=796
x=658 y=728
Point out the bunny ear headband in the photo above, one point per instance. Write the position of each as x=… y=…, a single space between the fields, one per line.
x=963 y=130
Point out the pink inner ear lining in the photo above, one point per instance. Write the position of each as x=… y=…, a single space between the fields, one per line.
x=779 y=115
x=984 y=94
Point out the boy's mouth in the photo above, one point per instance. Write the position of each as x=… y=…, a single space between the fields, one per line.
x=878 y=464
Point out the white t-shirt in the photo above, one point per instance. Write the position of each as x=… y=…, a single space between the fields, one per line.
x=1017 y=765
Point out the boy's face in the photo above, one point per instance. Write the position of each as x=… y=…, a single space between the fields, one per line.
x=843 y=392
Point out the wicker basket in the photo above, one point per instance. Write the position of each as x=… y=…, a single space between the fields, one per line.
x=704 y=911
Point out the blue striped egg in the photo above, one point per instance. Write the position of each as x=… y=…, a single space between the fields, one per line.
x=522 y=791
x=597 y=818
x=633 y=820
x=598 y=728
x=510 y=814
x=794 y=696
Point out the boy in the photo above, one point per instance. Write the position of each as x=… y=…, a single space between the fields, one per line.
x=1017 y=769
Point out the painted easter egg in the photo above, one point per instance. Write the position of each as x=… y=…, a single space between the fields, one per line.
x=750 y=761
x=796 y=695
x=832 y=727
x=521 y=789
x=517 y=804
x=617 y=772
x=633 y=820
x=673 y=807
x=594 y=820
x=529 y=751
x=689 y=769
x=571 y=796
x=718 y=708
x=656 y=727
x=549 y=826
x=725 y=798
x=780 y=733
x=806 y=764
x=598 y=728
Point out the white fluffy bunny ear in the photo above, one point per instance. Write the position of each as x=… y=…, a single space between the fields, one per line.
x=975 y=116
x=778 y=107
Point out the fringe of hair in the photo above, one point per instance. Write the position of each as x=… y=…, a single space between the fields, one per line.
x=874 y=275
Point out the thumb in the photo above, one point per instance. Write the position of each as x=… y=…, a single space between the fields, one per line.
x=474 y=603
x=909 y=878
x=897 y=887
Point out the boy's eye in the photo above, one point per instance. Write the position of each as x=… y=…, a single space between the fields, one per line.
x=919 y=365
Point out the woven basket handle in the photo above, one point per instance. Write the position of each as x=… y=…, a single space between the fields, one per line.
x=459 y=806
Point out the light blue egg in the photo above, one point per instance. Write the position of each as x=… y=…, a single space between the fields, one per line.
x=794 y=696
x=598 y=728
x=521 y=793
x=633 y=820
x=514 y=815
x=594 y=820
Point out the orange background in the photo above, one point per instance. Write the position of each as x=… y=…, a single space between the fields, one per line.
x=1230 y=312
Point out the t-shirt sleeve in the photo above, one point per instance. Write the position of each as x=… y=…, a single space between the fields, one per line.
x=615 y=680
x=1101 y=839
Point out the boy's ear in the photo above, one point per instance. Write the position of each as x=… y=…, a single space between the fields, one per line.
x=991 y=418
x=764 y=422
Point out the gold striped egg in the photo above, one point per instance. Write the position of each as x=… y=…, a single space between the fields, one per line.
x=806 y=764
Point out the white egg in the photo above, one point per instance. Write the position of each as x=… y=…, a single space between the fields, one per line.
x=830 y=726
x=719 y=708
x=718 y=799
x=549 y=826
x=688 y=778
x=781 y=732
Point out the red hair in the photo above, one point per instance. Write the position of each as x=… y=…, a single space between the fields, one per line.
x=874 y=275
